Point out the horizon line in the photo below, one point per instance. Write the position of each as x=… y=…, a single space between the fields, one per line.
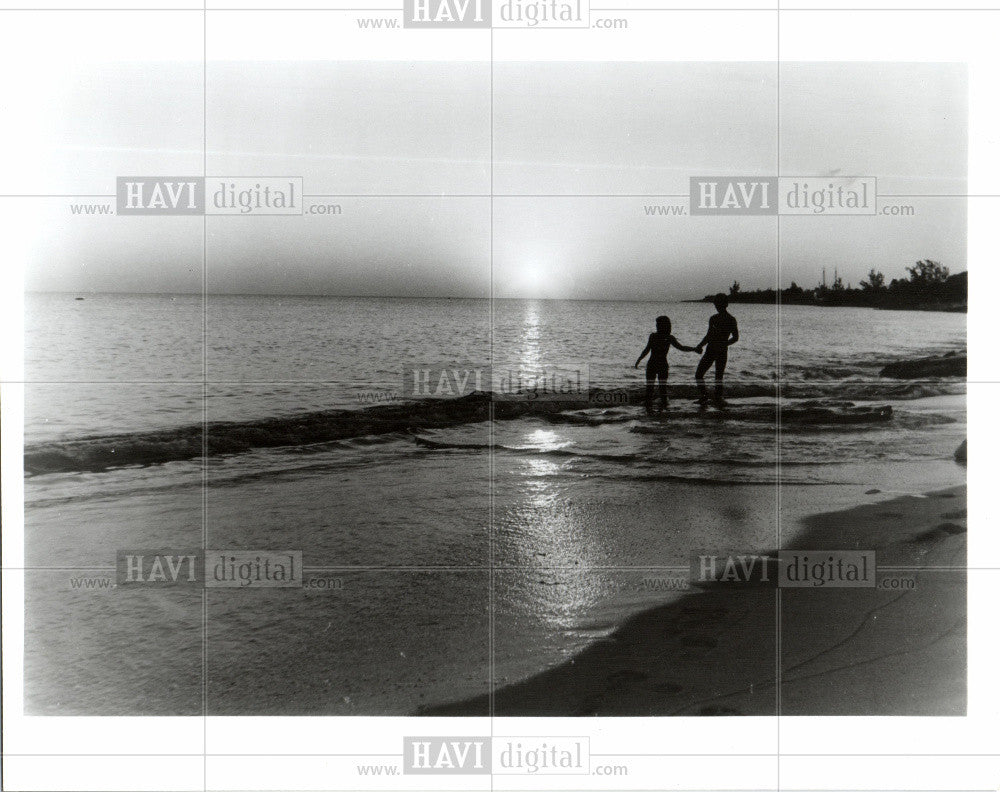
x=355 y=296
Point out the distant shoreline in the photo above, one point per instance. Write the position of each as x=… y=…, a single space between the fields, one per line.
x=929 y=288
x=940 y=307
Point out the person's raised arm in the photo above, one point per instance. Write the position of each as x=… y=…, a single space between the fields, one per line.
x=680 y=346
x=645 y=352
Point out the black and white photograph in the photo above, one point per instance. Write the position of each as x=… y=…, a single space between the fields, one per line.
x=598 y=411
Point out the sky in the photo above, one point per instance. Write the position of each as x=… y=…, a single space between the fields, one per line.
x=575 y=147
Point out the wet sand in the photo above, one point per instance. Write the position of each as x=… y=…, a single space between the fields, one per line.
x=898 y=650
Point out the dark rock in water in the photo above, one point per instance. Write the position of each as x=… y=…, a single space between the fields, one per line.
x=961 y=452
x=872 y=492
x=950 y=365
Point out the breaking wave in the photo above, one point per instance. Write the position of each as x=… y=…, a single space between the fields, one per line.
x=814 y=403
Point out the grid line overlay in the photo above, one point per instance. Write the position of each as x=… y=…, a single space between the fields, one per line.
x=777 y=400
x=491 y=443
x=204 y=435
x=670 y=9
x=492 y=566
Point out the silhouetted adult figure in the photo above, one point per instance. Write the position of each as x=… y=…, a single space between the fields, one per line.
x=657 y=368
x=722 y=332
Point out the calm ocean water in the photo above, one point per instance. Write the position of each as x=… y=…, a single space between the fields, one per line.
x=410 y=522
x=114 y=363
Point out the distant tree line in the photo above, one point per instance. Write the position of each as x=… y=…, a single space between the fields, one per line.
x=930 y=286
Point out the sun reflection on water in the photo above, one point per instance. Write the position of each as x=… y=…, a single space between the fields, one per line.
x=550 y=545
x=544 y=440
x=530 y=352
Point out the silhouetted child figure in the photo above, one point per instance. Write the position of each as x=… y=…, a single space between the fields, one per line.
x=722 y=332
x=657 y=368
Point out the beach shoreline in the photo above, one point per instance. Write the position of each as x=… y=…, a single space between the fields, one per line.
x=598 y=507
x=843 y=651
